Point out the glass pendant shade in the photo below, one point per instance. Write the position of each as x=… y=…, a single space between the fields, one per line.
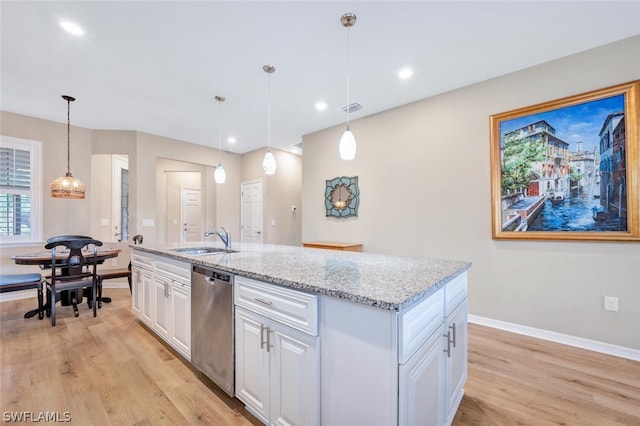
x=219 y=175
x=67 y=186
x=347 y=145
x=269 y=163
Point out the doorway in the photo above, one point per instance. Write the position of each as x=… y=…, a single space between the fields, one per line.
x=120 y=201
x=251 y=212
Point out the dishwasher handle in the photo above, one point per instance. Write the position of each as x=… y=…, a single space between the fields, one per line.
x=212 y=274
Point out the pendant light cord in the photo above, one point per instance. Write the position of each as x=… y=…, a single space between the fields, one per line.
x=268 y=112
x=219 y=130
x=68 y=137
x=348 y=74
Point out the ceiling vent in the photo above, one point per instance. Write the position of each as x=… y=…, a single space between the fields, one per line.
x=351 y=107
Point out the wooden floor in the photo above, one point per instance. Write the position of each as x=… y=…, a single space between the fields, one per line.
x=110 y=370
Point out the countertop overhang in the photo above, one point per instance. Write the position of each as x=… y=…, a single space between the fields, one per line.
x=382 y=281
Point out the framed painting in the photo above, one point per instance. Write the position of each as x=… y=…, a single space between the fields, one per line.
x=568 y=169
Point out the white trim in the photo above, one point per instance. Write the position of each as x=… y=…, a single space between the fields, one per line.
x=565 y=339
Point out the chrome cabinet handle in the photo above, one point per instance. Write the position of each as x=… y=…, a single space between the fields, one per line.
x=268 y=342
x=262 y=328
x=269 y=345
x=448 y=350
x=264 y=302
x=453 y=328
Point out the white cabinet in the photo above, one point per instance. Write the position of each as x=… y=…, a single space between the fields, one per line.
x=180 y=330
x=456 y=359
x=142 y=287
x=277 y=366
x=422 y=384
x=162 y=298
x=162 y=306
x=405 y=368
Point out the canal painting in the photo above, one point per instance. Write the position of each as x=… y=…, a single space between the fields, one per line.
x=562 y=169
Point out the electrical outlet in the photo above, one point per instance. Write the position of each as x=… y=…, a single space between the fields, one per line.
x=611 y=303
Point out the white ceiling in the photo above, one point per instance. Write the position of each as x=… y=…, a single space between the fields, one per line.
x=155 y=67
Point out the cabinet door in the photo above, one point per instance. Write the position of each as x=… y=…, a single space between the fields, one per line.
x=136 y=291
x=252 y=363
x=162 y=311
x=421 y=384
x=180 y=330
x=147 y=292
x=295 y=381
x=456 y=370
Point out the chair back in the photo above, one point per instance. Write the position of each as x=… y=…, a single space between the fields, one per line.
x=67 y=237
x=75 y=261
x=137 y=239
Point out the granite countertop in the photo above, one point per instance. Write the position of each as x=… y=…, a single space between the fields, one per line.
x=384 y=282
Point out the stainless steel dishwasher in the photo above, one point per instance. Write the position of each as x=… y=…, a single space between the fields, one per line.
x=212 y=342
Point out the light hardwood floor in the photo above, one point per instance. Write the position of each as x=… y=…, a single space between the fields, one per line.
x=110 y=370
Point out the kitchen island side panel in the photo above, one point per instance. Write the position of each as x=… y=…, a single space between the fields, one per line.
x=359 y=364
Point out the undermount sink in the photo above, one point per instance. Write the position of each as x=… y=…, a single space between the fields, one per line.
x=202 y=250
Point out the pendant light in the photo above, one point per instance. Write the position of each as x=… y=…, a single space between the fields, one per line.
x=219 y=175
x=348 y=141
x=67 y=186
x=269 y=162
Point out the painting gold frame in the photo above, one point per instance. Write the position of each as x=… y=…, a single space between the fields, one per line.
x=545 y=185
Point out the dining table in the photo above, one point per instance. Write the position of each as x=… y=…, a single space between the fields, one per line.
x=44 y=260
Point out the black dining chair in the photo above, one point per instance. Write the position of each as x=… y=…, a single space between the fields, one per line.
x=72 y=275
x=107 y=274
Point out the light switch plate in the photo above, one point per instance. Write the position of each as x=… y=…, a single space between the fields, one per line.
x=611 y=303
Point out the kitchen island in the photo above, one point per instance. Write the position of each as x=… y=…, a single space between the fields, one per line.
x=372 y=339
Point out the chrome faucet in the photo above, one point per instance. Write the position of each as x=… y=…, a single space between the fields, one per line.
x=226 y=238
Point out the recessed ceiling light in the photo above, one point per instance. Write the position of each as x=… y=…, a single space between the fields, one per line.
x=231 y=140
x=405 y=73
x=72 y=28
x=321 y=105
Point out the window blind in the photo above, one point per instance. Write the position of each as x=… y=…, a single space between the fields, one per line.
x=15 y=191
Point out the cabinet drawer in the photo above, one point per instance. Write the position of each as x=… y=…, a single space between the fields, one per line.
x=455 y=292
x=142 y=260
x=174 y=269
x=290 y=307
x=418 y=323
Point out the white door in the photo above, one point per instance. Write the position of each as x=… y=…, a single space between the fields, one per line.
x=252 y=212
x=120 y=194
x=190 y=215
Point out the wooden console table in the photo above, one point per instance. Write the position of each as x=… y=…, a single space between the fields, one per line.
x=333 y=246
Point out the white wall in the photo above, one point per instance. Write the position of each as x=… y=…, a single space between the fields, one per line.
x=424 y=175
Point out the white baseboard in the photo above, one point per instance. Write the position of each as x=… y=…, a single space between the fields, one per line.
x=31 y=293
x=565 y=339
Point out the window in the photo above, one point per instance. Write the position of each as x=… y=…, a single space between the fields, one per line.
x=20 y=191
